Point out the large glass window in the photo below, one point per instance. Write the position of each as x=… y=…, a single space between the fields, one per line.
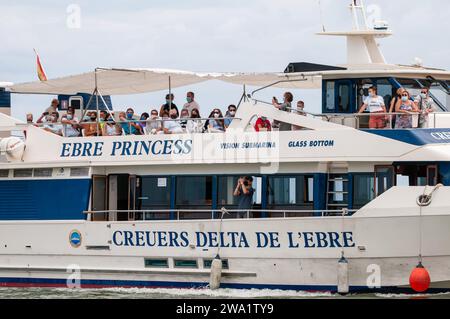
x=384 y=179
x=154 y=192
x=329 y=98
x=225 y=189
x=385 y=90
x=363 y=189
x=294 y=191
x=194 y=191
x=344 y=96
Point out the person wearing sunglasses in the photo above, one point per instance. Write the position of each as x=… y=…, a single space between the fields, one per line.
x=154 y=123
x=425 y=104
x=397 y=99
x=408 y=108
x=375 y=104
x=215 y=123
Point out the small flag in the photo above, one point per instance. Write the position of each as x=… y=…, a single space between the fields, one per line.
x=40 y=70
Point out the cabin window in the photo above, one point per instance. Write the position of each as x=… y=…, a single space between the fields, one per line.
x=154 y=192
x=292 y=192
x=79 y=171
x=344 y=96
x=416 y=175
x=207 y=263
x=363 y=189
x=185 y=263
x=76 y=102
x=23 y=172
x=194 y=191
x=329 y=96
x=385 y=90
x=4 y=173
x=384 y=179
x=225 y=190
x=156 y=263
x=43 y=172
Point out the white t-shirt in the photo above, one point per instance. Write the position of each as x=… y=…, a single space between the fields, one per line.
x=174 y=127
x=190 y=106
x=374 y=104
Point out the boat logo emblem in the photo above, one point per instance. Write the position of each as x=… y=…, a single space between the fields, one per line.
x=75 y=238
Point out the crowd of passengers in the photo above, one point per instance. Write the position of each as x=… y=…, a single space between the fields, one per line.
x=167 y=120
x=404 y=107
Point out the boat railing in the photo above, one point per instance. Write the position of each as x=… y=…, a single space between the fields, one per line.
x=361 y=120
x=214 y=214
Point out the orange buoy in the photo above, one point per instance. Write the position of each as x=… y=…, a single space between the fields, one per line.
x=419 y=279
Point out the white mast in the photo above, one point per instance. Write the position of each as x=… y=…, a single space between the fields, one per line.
x=362 y=47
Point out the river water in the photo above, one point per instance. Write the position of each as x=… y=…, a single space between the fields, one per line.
x=144 y=293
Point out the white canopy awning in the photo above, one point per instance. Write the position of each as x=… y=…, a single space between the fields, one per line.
x=134 y=81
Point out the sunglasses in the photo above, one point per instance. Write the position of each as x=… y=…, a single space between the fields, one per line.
x=424 y=92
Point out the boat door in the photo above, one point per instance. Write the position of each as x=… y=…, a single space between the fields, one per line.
x=122 y=196
x=384 y=179
x=99 y=196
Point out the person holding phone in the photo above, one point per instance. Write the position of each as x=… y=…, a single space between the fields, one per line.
x=244 y=192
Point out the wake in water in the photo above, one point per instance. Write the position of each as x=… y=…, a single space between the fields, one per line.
x=145 y=293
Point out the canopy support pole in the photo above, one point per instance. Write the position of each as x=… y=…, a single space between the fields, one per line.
x=96 y=103
x=170 y=93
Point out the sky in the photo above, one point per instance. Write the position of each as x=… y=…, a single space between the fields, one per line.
x=199 y=35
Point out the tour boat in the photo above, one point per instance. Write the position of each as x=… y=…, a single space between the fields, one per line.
x=337 y=206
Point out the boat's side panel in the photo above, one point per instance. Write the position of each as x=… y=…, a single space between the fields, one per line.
x=297 y=253
x=56 y=199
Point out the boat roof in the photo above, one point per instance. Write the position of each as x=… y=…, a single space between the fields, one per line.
x=119 y=81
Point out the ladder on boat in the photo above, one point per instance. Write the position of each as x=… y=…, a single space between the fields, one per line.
x=337 y=188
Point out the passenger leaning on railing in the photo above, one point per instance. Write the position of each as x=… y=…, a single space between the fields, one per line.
x=50 y=122
x=128 y=123
x=111 y=128
x=408 y=108
x=183 y=119
x=215 y=123
x=195 y=124
x=102 y=119
x=154 y=124
x=262 y=124
x=425 y=105
x=375 y=104
x=71 y=127
x=143 y=122
x=171 y=125
x=89 y=125
x=229 y=115
x=395 y=100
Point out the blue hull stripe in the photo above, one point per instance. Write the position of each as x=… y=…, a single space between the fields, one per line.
x=418 y=137
x=87 y=283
